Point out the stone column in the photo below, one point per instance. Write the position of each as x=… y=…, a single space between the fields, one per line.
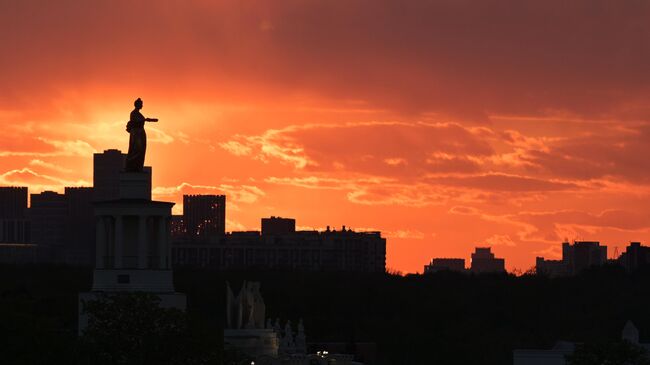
x=100 y=242
x=119 y=241
x=162 y=243
x=142 y=242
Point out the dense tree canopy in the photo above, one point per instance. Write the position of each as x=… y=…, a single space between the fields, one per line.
x=132 y=328
x=442 y=318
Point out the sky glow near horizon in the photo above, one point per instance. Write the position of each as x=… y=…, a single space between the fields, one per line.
x=444 y=124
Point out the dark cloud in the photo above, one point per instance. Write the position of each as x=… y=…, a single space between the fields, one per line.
x=384 y=149
x=547 y=224
x=503 y=183
x=463 y=58
x=619 y=154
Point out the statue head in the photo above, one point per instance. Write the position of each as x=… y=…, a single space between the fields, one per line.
x=138 y=103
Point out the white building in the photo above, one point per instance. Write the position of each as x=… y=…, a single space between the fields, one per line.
x=557 y=354
x=133 y=247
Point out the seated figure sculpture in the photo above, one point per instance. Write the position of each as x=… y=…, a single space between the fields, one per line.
x=246 y=310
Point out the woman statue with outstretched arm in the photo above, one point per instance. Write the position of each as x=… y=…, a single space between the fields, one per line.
x=137 y=139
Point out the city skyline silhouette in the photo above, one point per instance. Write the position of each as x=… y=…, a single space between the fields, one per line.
x=29 y=224
x=528 y=125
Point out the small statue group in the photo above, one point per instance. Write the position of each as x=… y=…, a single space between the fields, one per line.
x=289 y=344
x=247 y=311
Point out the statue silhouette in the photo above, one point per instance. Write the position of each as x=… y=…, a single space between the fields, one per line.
x=137 y=139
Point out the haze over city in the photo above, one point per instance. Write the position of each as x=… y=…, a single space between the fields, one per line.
x=445 y=125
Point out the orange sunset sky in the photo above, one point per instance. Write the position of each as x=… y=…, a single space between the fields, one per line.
x=444 y=124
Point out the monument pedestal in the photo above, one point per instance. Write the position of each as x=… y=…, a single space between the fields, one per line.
x=253 y=342
x=245 y=328
x=152 y=281
x=136 y=185
x=133 y=245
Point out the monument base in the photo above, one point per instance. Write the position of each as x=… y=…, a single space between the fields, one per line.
x=153 y=281
x=136 y=185
x=254 y=342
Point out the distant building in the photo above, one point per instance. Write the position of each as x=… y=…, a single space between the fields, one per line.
x=48 y=214
x=62 y=226
x=15 y=230
x=483 y=261
x=635 y=256
x=557 y=355
x=575 y=258
x=278 y=226
x=79 y=246
x=583 y=254
x=177 y=228
x=204 y=216
x=444 y=264
x=13 y=202
x=551 y=268
x=14 y=225
x=330 y=250
x=106 y=174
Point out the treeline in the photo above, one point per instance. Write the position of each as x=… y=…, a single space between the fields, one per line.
x=442 y=318
x=449 y=318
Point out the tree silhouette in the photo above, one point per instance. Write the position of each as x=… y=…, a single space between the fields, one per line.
x=132 y=328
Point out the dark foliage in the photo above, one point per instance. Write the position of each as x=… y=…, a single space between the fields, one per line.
x=443 y=318
x=132 y=328
x=38 y=324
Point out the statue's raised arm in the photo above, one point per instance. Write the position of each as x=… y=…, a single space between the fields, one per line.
x=137 y=138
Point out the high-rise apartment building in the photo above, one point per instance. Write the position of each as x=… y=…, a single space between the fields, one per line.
x=204 y=216
x=635 y=256
x=483 y=261
x=106 y=174
x=13 y=202
x=48 y=214
x=575 y=258
x=79 y=245
x=14 y=225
